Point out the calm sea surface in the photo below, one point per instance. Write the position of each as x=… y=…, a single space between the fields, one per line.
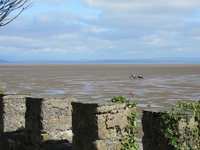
x=162 y=84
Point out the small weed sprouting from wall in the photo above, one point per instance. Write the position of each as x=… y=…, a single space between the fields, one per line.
x=186 y=137
x=1 y=91
x=120 y=99
x=128 y=142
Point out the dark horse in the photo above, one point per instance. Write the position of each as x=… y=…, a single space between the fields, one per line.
x=140 y=77
x=133 y=76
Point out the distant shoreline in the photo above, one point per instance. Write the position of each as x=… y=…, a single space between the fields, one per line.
x=103 y=64
x=79 y=63
x=108 y=61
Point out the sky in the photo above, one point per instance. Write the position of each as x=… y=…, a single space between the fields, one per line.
x=103 y=29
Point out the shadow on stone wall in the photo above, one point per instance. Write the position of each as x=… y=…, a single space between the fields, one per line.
x=84 y=124
x=153 y=139
x=33 y=122
x=1 y=113
x=17 y=141
x=14 y=140
x=2 y=139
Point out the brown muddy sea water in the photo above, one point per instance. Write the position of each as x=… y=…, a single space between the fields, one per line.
x=162 y=84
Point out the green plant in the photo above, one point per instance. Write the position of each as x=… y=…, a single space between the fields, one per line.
x=1 y=91
x=128 y=142
x=119 y=98
x=182 y=112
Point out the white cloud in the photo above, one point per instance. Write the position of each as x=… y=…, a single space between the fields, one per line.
x=142 y=5
x=45 y=18
x=66 y=36
x=54 y=1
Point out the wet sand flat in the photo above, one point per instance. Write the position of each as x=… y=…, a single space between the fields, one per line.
x=162 y=84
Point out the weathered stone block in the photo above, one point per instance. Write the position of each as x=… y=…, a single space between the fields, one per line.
x=12 y=112
x=1 y=114
x=48 y=119
x=99 y=126
x=154 y=139
x=108 y=144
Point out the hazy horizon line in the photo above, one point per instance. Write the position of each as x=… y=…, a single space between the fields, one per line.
x=103 y=61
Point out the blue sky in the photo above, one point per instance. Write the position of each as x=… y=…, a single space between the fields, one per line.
x=103 y=29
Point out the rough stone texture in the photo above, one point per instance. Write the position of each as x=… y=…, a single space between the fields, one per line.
x=153 y=137
x=1 y=114
x=99 y=126
x=48 y=119
x=12 y=112
x=12 y=118
x=108 y=144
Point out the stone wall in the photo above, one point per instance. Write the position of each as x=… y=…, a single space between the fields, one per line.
x=28 y=123
x=12 y=120
x=154 y=138
x=99 y=126
x=1 y=113
x=48 y=119
x=13 y=116
x=49 y=123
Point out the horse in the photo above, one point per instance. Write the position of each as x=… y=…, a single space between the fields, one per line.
x=133 y=76
x=140 y=77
